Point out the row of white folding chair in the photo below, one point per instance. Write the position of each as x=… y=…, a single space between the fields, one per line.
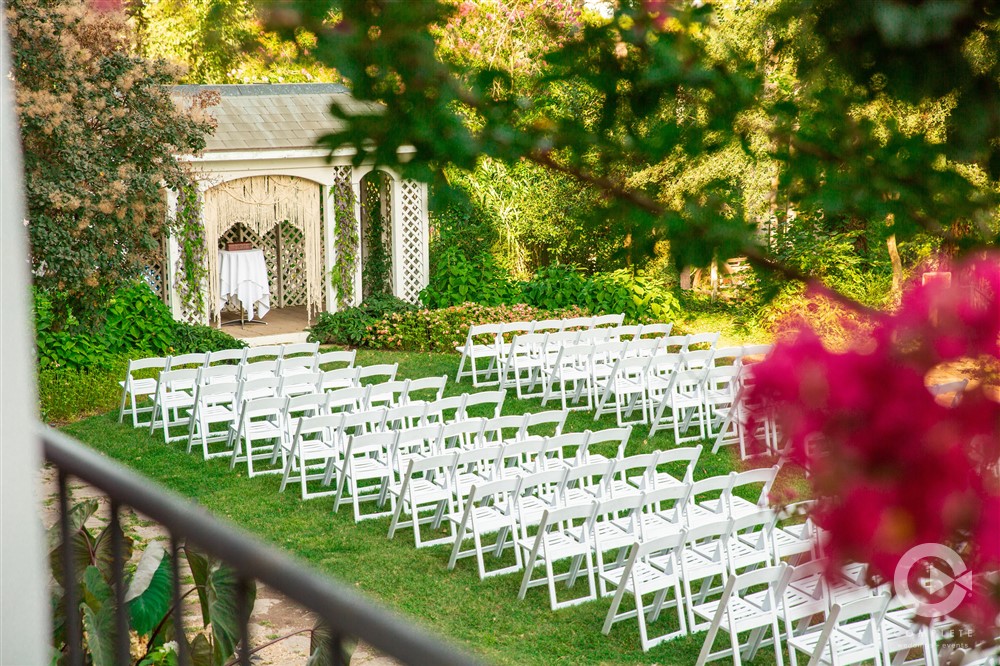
x=542 y=359
x=479 y=462
x=133 y=388
x=179 y=391
x=489 y=342
x=859 y=625
x=318 y=439
x=728 y=417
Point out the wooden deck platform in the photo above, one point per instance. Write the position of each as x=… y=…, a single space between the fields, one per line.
x=284 y=325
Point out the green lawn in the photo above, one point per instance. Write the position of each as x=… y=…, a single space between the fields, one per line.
x=483 y=615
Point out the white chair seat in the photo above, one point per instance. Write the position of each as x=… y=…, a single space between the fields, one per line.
x=648 y=578
x=558 y=546
x=743 y=613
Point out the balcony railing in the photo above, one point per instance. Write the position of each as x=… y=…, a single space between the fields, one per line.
x=346 y=614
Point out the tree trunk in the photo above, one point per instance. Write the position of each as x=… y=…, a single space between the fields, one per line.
x=897 y=269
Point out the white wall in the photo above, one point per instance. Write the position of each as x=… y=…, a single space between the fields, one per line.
x=24 y=605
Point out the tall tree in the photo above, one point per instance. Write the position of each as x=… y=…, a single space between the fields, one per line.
x=101 y=136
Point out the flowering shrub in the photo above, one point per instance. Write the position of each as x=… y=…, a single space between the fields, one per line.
x=443 y=329
x=891 y=466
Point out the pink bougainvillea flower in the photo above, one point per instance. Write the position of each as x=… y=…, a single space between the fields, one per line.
x=890 y=465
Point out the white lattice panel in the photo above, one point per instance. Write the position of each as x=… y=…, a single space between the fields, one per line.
x=414 y=238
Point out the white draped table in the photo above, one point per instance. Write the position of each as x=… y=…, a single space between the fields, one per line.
x=243 y=274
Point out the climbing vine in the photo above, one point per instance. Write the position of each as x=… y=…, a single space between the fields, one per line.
x=378 y=264
x=345 y=242
x=190 y=235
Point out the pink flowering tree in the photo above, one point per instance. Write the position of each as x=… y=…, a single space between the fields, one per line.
x=891 y=465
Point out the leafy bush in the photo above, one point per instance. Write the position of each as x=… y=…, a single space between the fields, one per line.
x=640 y=299
x=457 y=279
x=67 y=394
x=350 y=326
x=135 y=323
x=190 y=338
x=442 y=329
x=555 y=286
x=137 y=320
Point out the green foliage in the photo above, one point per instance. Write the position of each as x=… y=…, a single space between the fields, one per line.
x=100 y=135
x=345 y=236
x=459 y=279
x=148 y=595
x=223 y=41
x=189 y=231
x=133 y=322
x=351 y=326
x=640 y=299
x=555 y=286
x=376 y=273
x=68 y=393
x=190 y=338
x=136 y=319
x=443 y=329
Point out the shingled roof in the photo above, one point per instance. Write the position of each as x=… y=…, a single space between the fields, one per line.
x=271 y=116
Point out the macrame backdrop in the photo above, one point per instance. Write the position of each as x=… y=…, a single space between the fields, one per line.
x=260 y=203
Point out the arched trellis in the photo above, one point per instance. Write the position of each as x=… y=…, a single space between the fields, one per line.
x=269 y=207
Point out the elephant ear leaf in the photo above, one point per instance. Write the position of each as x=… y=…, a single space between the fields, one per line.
x=319 y=647
x=99 y=627
x=96 y=591
x=78 y=515
x=223 y=598
x=149 y=594
x=200 y=650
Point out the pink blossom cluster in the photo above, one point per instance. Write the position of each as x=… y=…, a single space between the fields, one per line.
x=891 y=465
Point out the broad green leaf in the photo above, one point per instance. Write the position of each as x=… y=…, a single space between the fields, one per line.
x=99 y=628
x=95 y=590
x=319 y=647
x=200 y=650
x=149 y=594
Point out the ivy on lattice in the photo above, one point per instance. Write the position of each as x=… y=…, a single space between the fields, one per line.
x=376 y=276
x=345 y=240
x=190 y=234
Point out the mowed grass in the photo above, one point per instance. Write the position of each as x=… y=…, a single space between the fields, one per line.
x=483 y=616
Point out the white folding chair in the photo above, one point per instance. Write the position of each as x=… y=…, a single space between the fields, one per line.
x=300 y=384
x=701 y=340
x=614 y=320
x=213 y=404
x=259 y=369
x=426 y=487
x=445 y=410
x=489 y=403
x=173 y=401
x=296 y=365
x=626 y=387
x=651 y=568
x=613 y=441
x=563 y=534
x=303 y=406
x=387 y=394
x=488 y=509
x=851 y=634
x=263 y=353
x=721 y=387
x=464 y=434
x=227 y=356
x=745 y=483
x=686 y=402
x=343 y=359
x=709 y=499
x=426 y=389
x=366 y=458
x=404 y=417
x=481 y=342
x=615 y=529
x=656 y=330
x=751 y=543
x=585 y=483
x=135 y=388
x=521 y=458
x=376 y=374
x=300 y=349
x=260 y=420
x=472 y=467
x=339 y=379
x=703 y=557
x=687 y=455
x=251 y=389
x=525 y=358
x=312 y=451
x=548 y=423
x=503 y=428
x=349 y=399
x=624 y=482
x=744 y=608
x=572 y=365
x=588 y=322
x=192 y=360
x=211 y=374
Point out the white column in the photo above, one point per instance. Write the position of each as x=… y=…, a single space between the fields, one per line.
x=357 y=175
x=329 y=222
x=24 y=595
x=425 y=235
x=172 y=252
x=397 y=235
